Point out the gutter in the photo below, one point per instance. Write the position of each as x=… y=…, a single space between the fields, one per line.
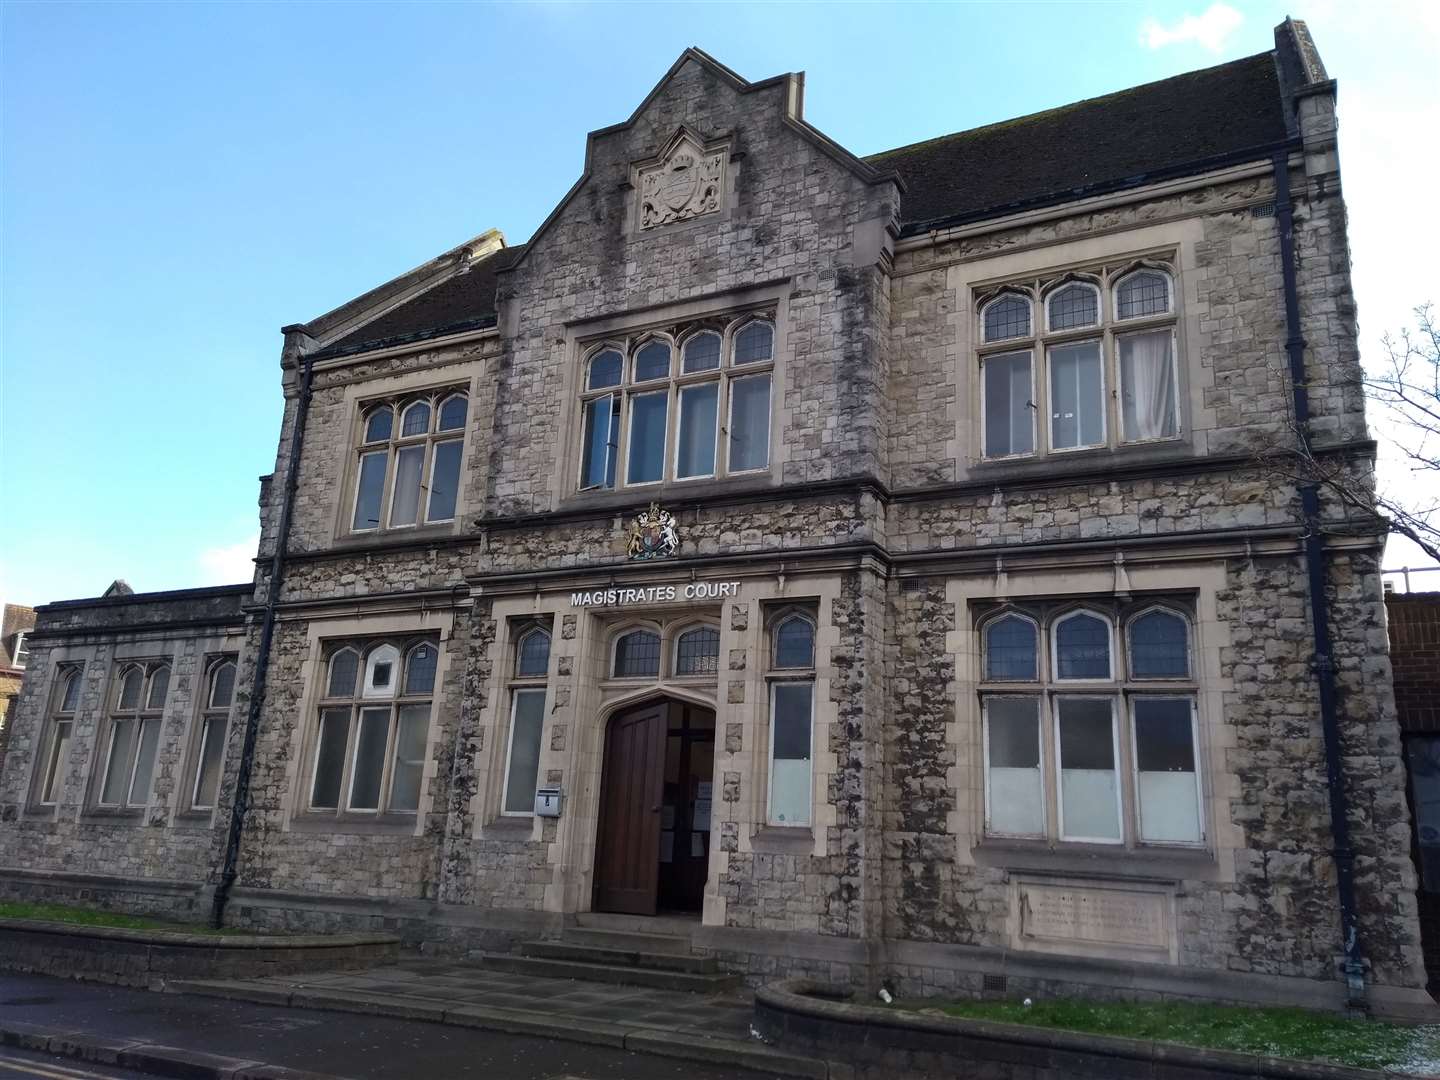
x=241 y=805
x=1314 y=549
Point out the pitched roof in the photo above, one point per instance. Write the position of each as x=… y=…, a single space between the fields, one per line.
x=465 y=301
x=1119 y=140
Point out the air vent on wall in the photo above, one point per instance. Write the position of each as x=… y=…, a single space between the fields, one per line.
x=1263 y=210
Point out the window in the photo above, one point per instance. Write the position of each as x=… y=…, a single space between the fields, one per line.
x=408 y=473
x=637 y=655
x=697 y=651
x=1066 y=372
x=1076 y=751
x=1422 y=757
x=792 y=720
x=21 y=653
x=688 y=407
x=527 y=722
x=372 y=727
x=214 y=718
x=137 y=703
x=62 y=723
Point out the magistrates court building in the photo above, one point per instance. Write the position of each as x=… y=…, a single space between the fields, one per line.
x=864 y=567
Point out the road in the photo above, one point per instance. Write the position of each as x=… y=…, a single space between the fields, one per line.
x=24 y=1065
x=343 y=1044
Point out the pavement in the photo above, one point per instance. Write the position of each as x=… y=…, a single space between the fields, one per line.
x=417 y=1019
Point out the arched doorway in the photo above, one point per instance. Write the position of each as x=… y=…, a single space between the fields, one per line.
x=652 y=849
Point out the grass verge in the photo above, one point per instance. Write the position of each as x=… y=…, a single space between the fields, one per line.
x=1277 y=1032
x=94 y=917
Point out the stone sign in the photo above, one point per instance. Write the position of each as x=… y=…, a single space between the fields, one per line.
x=1084 y=917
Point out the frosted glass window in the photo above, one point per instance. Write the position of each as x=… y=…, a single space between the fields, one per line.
x=602 y=438
x=1077 y=396
x=379 y=424
x=408 y=464
x=652 y=361
x=409 y=764
x=522 y=769
x=420 y=669
x=380 y=672
x=648 y=421
x=1014 y=798
x=695 y=454
x=533 y=655
x=755 y=343
x=790 y=750
x=1147 y=386
x=344 y=666
x=369 y=763
x=1089 y=781
x=1009 y=424
x=1143 y=293
x=1165 y=770
x=444 y=481
x=330 y=759
x=637 y=654
x=416 y=420
x=605 y=368
x=1159 y=646
x=1082 y=647
x=452 y=414
x=369 y=490
x=1011 y=649
x=702 y=353
x=750 y=423
x=1008 y=317
x=1073 y=306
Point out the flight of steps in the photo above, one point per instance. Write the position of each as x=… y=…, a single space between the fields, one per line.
x=612 y=949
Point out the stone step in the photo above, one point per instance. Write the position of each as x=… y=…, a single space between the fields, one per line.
x=672 y=925
x=619 y=975
x=565 y=949
x=631 y=941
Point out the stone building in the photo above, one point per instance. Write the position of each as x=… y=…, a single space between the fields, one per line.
x=875 y=568
x=16 y=622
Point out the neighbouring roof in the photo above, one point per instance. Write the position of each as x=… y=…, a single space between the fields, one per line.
x=1122 y=139
x=1181 y=125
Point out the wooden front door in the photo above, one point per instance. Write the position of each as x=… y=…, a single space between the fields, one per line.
x=632 y=786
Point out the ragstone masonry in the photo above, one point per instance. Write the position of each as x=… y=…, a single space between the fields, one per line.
x=878 y=520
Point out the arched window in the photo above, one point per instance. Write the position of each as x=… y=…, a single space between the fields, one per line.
x=382 y=677
x=697 y=651
x=605 y=368
x=637 y=655
x=134 y=735
x=210 y=753
x=754 y=343
x=532 y=654
x=1082 y=647
x=70 y=695
x=159 y=687
x=1159 y=645
x=344 y=666
x=1011 y=649
x=131 y=684
x=1145 y=292
x=1006 y=317
x=62 y=723
x=794 y=643
x=420 y=667
x=1073 y=306
x=652 y=361
x=379 y=424
x=701 y=352
x=452 y=413
x=415 y=420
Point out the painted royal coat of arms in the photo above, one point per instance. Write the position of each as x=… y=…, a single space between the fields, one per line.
x=653 y=535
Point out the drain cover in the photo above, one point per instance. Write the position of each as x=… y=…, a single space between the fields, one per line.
x=39 y=999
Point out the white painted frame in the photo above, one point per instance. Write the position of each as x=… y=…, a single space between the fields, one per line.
x=1039 y=701
x=809 y=681
x=1189 y=698
x=1054 y=633
x=1105 y=406
x=999 y=617
x=1126 y=276
x=1032 y=405
x=1062 y=286
x=1129 y=643
x=1117 y=766
x=515 y=693
x=1175 y=411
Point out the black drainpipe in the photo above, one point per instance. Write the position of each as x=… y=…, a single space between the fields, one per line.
x=1323 y=663
x=241 y=805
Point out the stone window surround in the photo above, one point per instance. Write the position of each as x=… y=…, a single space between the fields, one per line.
x=320 y=632
x=54 y=716
x=185 y=811
x=584 y=338
x=1203 y=581
x=109 y=703
x=974 y=280
x=359 y=395
x=669 y=630
x=521 y=629
x=774 y=615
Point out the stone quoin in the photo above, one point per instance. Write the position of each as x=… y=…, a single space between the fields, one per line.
x=880 y=562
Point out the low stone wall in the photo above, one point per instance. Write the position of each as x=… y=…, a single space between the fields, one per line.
x=150 y=958
x=809 y=1017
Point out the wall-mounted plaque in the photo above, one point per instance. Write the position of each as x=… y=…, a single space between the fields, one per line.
x=1092 y=918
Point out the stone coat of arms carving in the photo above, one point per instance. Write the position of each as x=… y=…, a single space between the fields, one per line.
x=689 y=182
x=653 y=536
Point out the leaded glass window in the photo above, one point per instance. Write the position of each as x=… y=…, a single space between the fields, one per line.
x=1145 y=292
x=1006 y=317
x=1072 y=306
x=697 y=651
x=637 y=655
x=532 y=654
x=794 y=643
x=1012 y=645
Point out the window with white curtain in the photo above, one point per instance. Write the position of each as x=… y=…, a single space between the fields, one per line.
x=1090 y=730
x=1098 y=365
x=684 y=403
x=137 y=702
x=408 y=455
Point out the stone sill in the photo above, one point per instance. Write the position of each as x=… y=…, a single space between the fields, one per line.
x=1098 y=860
x=779 y=840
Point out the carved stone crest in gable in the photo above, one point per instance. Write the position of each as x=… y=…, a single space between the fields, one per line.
x=686 y=182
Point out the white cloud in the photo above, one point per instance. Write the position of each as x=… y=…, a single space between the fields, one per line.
x=1210 y=29
x=229 y=564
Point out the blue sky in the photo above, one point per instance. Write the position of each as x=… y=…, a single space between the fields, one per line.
x=180 y=180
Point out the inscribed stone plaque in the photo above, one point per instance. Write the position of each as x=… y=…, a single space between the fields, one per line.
x=1081 y=917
